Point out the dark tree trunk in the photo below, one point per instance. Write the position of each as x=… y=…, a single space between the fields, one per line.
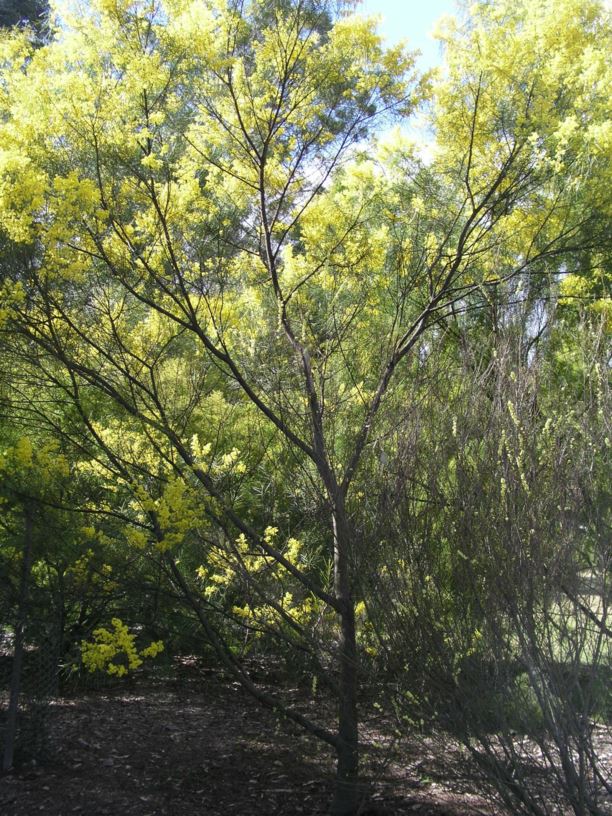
x=346 y=794
x=11 y=720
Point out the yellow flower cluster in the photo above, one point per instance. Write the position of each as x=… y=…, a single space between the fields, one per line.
x=110 y=645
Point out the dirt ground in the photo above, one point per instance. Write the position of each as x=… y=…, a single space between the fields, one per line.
x=198 y=747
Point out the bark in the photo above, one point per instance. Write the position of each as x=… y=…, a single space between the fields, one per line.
x=346 y=793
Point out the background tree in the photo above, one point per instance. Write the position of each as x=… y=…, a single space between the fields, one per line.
x=24 y=12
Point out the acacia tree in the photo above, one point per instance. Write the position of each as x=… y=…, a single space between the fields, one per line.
x=225 y=282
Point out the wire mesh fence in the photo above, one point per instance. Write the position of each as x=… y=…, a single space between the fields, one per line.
x=29 y=667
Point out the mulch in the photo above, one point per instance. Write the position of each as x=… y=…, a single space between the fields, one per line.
x=199 y=747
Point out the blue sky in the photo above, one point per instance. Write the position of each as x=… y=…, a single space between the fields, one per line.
x=410 y=19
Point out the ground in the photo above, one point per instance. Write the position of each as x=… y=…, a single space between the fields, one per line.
x=200 y=746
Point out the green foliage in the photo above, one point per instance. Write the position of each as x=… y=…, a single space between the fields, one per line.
x=21 y=12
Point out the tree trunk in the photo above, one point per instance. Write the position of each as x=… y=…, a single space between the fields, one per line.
x=346 y=794
x=11 y=720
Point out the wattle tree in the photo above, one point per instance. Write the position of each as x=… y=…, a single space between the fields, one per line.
x=228 y=273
